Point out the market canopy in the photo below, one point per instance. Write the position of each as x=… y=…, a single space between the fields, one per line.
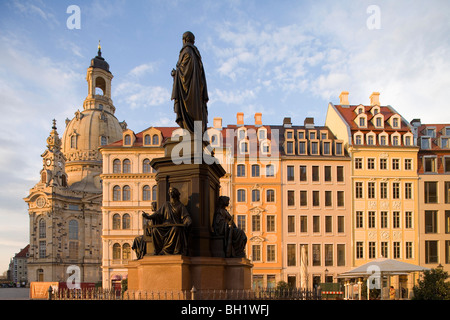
x=384 y=266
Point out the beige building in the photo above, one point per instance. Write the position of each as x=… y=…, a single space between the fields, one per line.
x=316 y=204
x=65 y=205
x=434 y=194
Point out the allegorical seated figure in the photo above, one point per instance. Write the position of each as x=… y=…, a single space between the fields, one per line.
x=168 y=229
x=223 y=225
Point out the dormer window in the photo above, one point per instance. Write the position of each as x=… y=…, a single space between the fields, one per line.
x=312 y=135
x=362 y=122
x=127 y=140
x=241 y=133
x=155 y=140
x=370 y=140
x=425 y=143
x=358 y=139
x=383 y=139
x=407 y=139
x=360 y=110
x=289 y=134
x=338 y=148
x=447 y=131
x=243 y=147
x=395 y=121
x=265 y=147
x=147 y=139
x=300 y=134
x=431 y=132
x=262 y=134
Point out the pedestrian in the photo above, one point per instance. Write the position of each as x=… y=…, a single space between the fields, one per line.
x=391 y=293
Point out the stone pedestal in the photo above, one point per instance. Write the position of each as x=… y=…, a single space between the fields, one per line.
x=178 y=273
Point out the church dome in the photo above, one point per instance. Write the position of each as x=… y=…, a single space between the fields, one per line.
x=100 y=62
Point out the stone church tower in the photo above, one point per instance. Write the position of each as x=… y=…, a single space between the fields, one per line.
x=65 y=205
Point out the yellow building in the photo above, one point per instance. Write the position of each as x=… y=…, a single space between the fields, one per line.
x=384 y=179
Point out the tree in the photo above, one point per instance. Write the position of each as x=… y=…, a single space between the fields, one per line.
x=433 y=286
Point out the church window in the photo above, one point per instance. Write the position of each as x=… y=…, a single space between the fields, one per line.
x=126 y=166
x=126 y=193
x=155 y=140
x=73 y=141
x=126 y=221
x=116 y=221
x=73 y=230
x=117 y=166
x=116 y=193
x=42 y=229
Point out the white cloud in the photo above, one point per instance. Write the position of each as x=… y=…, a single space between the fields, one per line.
x=135 y=95
x=143 y=69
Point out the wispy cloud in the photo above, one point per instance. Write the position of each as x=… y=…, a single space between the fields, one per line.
x=36 y=9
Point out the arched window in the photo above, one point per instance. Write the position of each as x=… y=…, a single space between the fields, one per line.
x=126 y=252
x=126 y=166
x=154 y=193
x=127 y=141
x=73 y=141
x=117 y=166
x=116 y=251
x=44 y=177
x=241 y=170
x=146 y=193
x=116 y=221
x=42 y=229
x=116 y=193
x=147 y=139
x=270 y=195
x=126 y=193
x=64 y=180
x=255 y=170
x=73 y=230
x=256 y=195
x=126 y=221
x=155 y=140
x=103 y=141
x=270 y=170
x=146 y=168
x=241 y=195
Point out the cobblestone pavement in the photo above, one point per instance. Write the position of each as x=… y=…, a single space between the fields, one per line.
x=14 y=293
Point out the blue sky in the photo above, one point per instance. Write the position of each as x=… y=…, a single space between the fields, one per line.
x=282 y=58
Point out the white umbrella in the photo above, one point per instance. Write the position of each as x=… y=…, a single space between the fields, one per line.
x=303 y=269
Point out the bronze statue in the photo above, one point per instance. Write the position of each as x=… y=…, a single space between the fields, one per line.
x=223 y=225
x=168 y=228
x=189 y=86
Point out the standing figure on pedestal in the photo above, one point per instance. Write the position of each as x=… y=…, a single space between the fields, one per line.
x=223 y=225
x=170 y=226
x=189 y=87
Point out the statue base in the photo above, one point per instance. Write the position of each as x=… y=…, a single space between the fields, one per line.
x=181 y=273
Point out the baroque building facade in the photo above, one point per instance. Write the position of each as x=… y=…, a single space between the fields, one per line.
x=65 y=205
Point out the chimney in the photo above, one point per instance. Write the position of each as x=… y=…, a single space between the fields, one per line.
x=309 y=123
x=240 y=118
x=343 y=97
x=416 y=123
x=217 y=123
x=258 y=119
x=287 y=122
x=375 y=99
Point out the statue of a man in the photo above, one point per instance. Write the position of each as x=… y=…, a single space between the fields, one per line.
x=223 y=225
x=189 y=87
x=170 y=226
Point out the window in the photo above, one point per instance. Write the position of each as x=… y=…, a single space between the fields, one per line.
x=445 y=143
x=359 y=190
x=117 y=166
x=303 y=223
x=303 y=198
x=431 y=217
x=241 y=134
x=370 y=140
x=359 y=219
x=447 y=191
x=126 y=221
x=126 y=252
x=328 y=224
x=116 y=193
x=262 y=134
x=42 y=229
x=408 y=164
x=242 y=222
x=146 y=168
x=42 y=249
x=371 y=163
x=116 y=251
x=316 y=254
x=431 y=132
x=127 y=139
x=103 y=141
x=270 y=195
x=362 y=122
x=256 y=252
x=315 y=173
x=383 y=219
x=328 y=255
x=395 y=122
x=146 y=193
x=383 y=164
x=328 y=198
x=341 y=225
x=73 y=141
x=358 y=139
x=327 y=174
x=126 y=166
x=340 y=255
x=384 y=249
x=396 y=190
x=408 y=220
x=256 y=223
x=316 y=199
x=289 y=147
x=291 y=255
x=340 y=174
x=126 y=193
x=291 y=224
x=431 y=252
x=116 y=221
x=371 y=190
x=395 y=140
x=241 y=195
x=270 y=253
x=371 y=219
x=409 y=250
x=155 y=140
x=73 y=230
x=147 y=139
x=241 y=170
x=326 y=148
x=255 y=170
x=256 y=195
x=270 y=170
x=290 y=173
x=383 y=190
x=312 y=135
x=408 y=190
x=340 y=198
x=407 y=140
x=446 y=161
x=303 y=174
x=314 y=147
x=243 y=147
x=339 y=148
x=358 y=163
x=154 y=192
x=270 y=223
x=429 y=164
x=383 y=140
x=372 y=250
x=430 y=192
x=378 y=122
x=302 y=147
x=396 y=219
x=316 y=223
x=291 y=197
x=425 y=143
x=395 y=164
x=396 y=250
x=359 y=250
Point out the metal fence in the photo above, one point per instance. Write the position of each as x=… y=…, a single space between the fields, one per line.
x=193 y=294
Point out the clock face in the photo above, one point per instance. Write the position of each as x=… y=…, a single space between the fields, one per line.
x=48 y=162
